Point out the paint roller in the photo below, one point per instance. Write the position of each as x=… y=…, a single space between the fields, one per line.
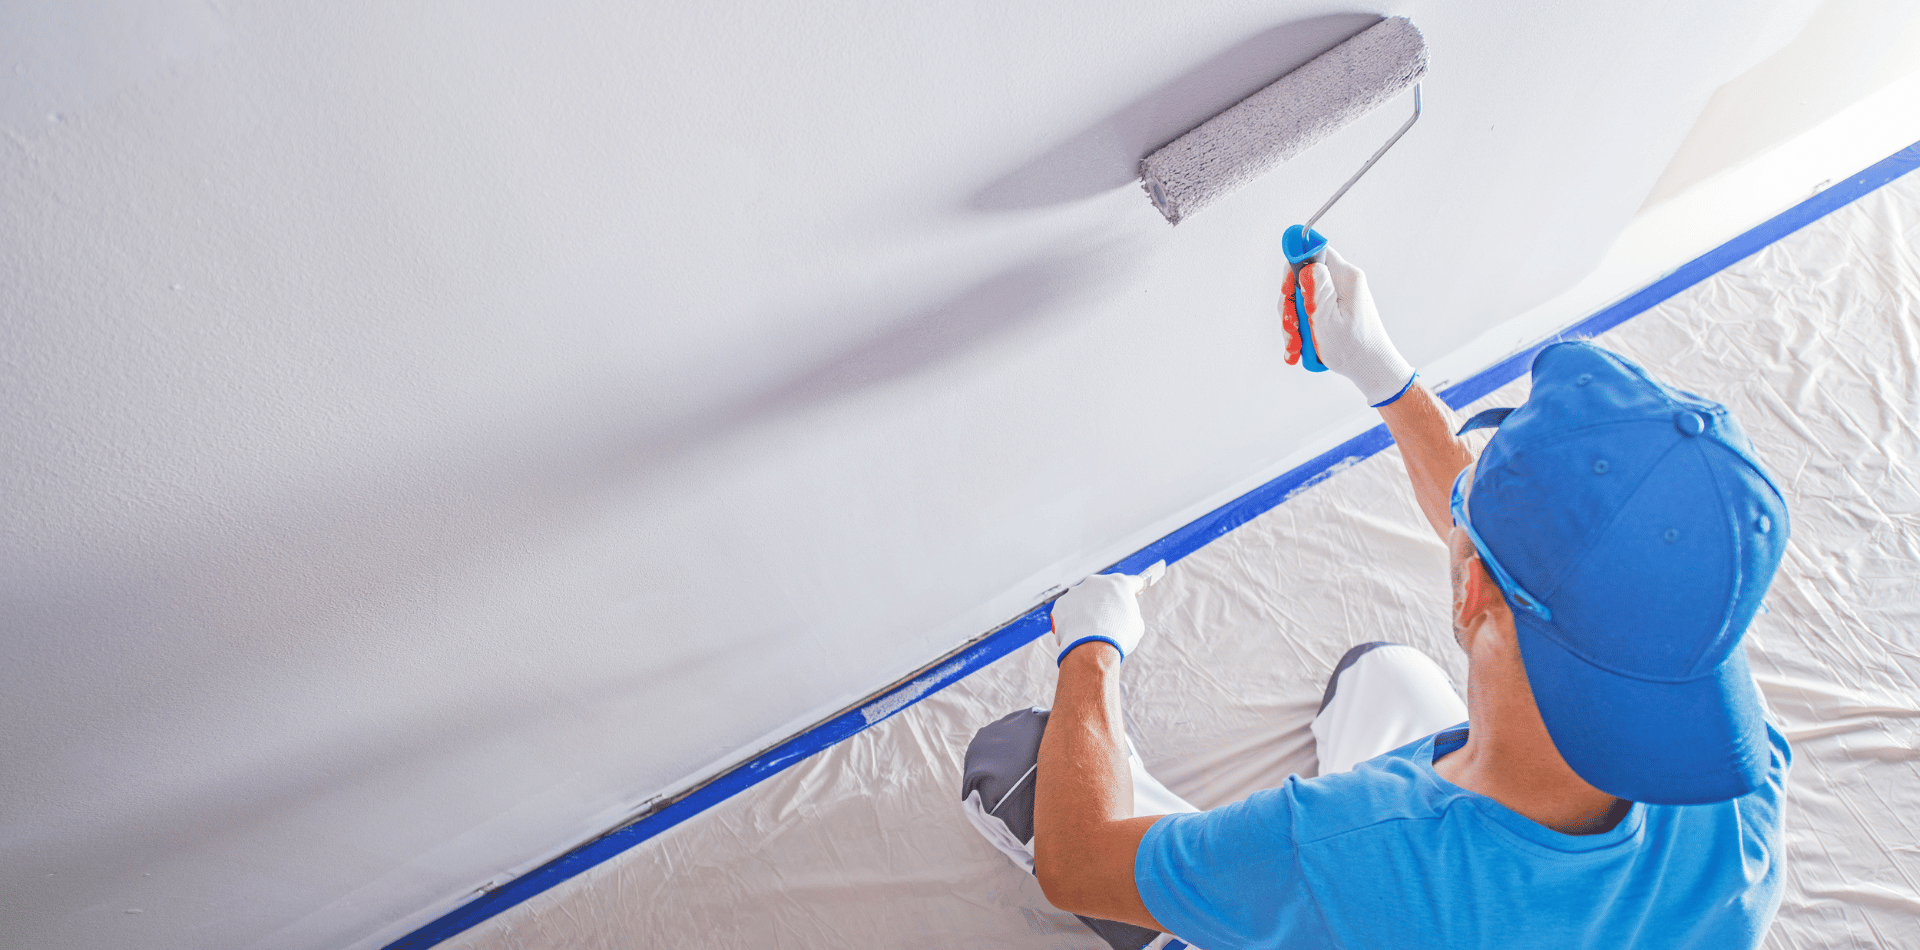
x=1264 y=130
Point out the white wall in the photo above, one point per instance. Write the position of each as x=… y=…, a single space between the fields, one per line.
x=1850 y=50
x=431 y=430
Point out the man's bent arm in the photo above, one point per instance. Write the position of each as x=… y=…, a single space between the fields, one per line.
x=1084 y=833
x=1422 y=425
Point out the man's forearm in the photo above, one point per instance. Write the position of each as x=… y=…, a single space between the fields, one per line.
x=1083 y=753
x=1085 y=835
x=1423 y=426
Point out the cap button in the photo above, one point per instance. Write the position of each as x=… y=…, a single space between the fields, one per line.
x=1690 y=422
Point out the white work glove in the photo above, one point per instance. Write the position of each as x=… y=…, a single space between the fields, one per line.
x=1347 y=335
x=1103 y=607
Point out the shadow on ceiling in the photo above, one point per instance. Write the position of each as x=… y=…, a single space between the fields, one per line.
x=1107 y=154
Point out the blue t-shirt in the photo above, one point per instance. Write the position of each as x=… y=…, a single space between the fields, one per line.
x=1392 y=855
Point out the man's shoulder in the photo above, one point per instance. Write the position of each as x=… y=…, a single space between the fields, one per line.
x=1374 y=794
x=1303 y=810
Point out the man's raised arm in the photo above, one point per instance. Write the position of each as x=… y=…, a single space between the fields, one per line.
x=1349 y=339
x=1422 y=425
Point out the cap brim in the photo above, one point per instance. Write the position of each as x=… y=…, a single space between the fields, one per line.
x=1691 y=743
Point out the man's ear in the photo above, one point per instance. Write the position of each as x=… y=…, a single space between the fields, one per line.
x=1474 y=592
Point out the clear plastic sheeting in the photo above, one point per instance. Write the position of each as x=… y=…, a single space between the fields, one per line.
x=1815 y=345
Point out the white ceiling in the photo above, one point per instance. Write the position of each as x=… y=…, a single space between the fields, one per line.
x=432 y=429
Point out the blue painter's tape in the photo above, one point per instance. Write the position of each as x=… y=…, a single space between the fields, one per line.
x=1032 y=624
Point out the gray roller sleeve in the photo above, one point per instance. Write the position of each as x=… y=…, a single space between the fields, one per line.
x=1264 y=130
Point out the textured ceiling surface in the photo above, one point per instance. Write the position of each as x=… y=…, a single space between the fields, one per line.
x=433 y=429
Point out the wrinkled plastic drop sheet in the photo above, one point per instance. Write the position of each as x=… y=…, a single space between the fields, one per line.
x=1813 y=342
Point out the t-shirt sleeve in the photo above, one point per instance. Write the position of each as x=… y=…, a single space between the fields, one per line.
x=1761 y=818
x=1226 y=877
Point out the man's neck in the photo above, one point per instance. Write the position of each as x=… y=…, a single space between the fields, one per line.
x=1509 y=756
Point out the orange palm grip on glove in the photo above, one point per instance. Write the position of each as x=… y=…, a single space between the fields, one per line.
x=1347 y=334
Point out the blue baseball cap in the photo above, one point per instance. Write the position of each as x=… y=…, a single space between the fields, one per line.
x=1634 y=535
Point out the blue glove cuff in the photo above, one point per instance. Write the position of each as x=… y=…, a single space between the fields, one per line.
x=1096 y=637
x=1390 y=400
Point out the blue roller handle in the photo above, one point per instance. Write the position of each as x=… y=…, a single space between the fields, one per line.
x=1303 y=247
